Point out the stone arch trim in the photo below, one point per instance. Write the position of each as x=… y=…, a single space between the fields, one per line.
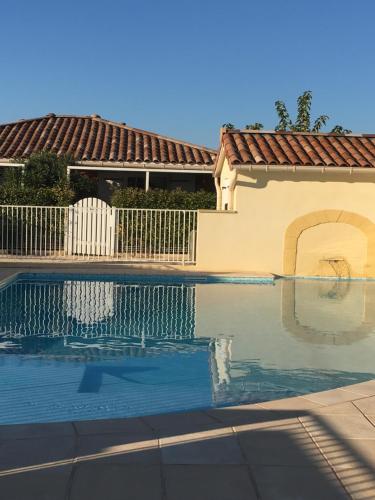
x=312 y=219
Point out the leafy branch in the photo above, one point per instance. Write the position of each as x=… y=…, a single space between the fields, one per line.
x=303 y=118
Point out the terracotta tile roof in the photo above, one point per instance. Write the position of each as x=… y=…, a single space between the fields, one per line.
x=93 y=139
x=298 y=149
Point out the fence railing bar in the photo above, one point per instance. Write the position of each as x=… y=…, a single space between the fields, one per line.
x=97 y=232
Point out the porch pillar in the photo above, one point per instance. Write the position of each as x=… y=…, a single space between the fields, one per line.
x=147 y=181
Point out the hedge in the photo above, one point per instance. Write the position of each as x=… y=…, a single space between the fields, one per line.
x=59 y=195
x=161 y=198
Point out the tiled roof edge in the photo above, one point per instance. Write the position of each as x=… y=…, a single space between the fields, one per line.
x=289 y=132
x=114 y=123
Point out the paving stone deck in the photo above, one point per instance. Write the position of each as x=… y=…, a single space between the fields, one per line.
x=321 y=446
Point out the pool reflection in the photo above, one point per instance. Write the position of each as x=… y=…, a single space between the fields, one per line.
x=127 y=349
x=328 y=312
x=89 y=310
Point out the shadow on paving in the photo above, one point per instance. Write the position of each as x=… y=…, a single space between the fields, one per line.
x=221 y=454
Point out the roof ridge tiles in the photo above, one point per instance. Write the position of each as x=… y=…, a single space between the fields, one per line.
x=290 y=132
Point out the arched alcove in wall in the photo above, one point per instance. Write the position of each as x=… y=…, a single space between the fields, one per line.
x=328 y=299
x=345 y=244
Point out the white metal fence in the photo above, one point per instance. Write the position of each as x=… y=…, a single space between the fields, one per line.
x=88 y=232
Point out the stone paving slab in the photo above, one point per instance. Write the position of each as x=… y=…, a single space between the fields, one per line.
x=116 y=482
x=358 y=482
x=347 y=408
x=36 y=453
x=333 y=396
x=173 y=423
x=347 y=455
x=285 y=444
x=302 y=483
x=367 y=405
x=292 y=449
x=333 y=427
x=118 y=449
x=112 y=426
x=48 y=484
x=207 y=447
x=208 y=482
x=32 y=431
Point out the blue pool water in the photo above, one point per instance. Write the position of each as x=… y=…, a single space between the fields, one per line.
x=91 y=347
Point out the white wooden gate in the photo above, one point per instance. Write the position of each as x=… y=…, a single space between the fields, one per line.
x=91 y=228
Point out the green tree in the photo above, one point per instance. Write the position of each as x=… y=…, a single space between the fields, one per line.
x=229 y=126
x=42 y=181
x=46 y=169
x=83 y=185
x=303 y=119
x=254 y=126
x=338 y=129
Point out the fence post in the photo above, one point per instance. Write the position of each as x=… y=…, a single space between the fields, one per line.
x=68 y=240
x=113 y=224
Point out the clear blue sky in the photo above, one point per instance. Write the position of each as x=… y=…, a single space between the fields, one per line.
x=183 y=68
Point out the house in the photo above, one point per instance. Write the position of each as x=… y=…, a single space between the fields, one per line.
x=292 y=204
x=114 y=153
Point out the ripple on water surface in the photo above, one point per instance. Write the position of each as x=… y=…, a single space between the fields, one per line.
x=87 y=349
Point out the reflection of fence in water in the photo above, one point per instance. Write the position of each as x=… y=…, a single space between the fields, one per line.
x=95 y=309
x=88 y=302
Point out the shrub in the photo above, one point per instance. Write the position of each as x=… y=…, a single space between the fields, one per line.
x=83 y=185
x=45 y=169
x=44 y=181
x=161 y=198
x=58 y=195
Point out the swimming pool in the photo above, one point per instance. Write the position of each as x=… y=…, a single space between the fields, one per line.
x=89 y=347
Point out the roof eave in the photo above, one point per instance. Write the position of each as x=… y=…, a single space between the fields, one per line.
x=219 y=162
x=146 y=165
x=303 y=168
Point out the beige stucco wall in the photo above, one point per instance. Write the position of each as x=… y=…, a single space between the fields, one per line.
x=326 y=249
x=253 y=239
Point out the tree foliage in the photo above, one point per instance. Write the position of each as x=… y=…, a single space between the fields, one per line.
x=84 y=186
x=303 y=118
x=40 y=197
x=162 y=198
x=45 y=170
x=254 y=126
x=338 y=129
x=44 y=181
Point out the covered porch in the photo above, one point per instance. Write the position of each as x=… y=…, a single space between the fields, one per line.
x=111 y=178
